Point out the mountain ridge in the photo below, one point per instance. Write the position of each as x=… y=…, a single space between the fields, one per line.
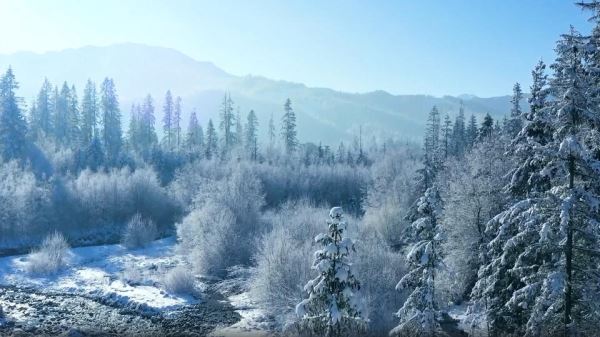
x=324 y=114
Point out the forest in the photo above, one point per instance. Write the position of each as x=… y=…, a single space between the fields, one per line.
x=487 y=228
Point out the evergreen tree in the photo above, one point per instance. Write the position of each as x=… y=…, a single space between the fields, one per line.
x=89 y=112
x=432 y=145
x=148 y=138
x=41 y=117
x=195 y=134
x=458 y=132
x=252 y=135
x=334 y=306
x=133 y=133
x=61 y=115
x=420 y=315
x=539 y=92
x=487 y=127
x=239 y=129
x=13 y=128
x=73 y=119
x=288 y=128
x=471 y=132
x=515 y=122
x=211 y=140
x=111 y=120
x=271 y=132
x=227 y=124
x=177 y=122
x=446 y=136
x=168 y=112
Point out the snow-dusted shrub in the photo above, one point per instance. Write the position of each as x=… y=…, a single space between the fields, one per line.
x=139 y=232
x=180 y=281
x=25 y=206
x=50 y=257
x=221 y=229
x=108 y=200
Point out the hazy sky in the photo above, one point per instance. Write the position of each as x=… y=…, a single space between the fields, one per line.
x=405 y=47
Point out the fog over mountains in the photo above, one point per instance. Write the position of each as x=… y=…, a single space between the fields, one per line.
x=323 y=114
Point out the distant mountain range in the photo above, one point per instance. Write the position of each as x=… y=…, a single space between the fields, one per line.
x=322 y=114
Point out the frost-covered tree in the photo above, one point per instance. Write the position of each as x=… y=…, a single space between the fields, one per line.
x=515 y=121
x=471 y=132
x=168 y=125
x=177 y=123
x=487 y=128
x=195 y=135
x=227 y=124
x=211 y=140
x=420 y=315
x=112 y=137
x=288 y=128
x=446 y=136
x=13 y=127
x=334 y=306
x=89 y=112
x=458 y=142
x=252 y=135
x=41 y=117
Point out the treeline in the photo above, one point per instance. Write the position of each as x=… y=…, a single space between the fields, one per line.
x=507 y=214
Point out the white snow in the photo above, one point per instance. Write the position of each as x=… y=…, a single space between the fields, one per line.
x=253 y=323
x=109 y=271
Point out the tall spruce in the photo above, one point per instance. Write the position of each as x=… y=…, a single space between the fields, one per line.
x=288 y=128
x=89 y=112
x=168 y=112
x=13 y=127
x=112 y=135
x=252 y=135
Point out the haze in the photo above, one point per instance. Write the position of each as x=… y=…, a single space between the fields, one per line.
x=434 y=47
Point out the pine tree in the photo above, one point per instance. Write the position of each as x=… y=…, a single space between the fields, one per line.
x=252 y=135
x=177 y=123
x=458 y=133
x=539 y=92
x=419 y=316
x=61 y=115
x=272 y=134
x=168 y=111
x=288 y=128
x=446 y=136
x=471 y=132
x=487 y=127
x=89 y=112
x=133 y=133
x=211 y=140
x=227 y=124
x=41 y=118
x=195 y=135
x=515 y=122
x=334 y=306
x=239 y=129
x=13 y=128
x=73 y=119
x=111 y=120
x=147 y=121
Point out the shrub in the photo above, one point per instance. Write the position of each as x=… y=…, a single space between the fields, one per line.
x=221 y=229
x=180 y=280
x=139 y=232
x=50 y=257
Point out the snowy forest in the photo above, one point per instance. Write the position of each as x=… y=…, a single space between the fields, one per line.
x=144 y=227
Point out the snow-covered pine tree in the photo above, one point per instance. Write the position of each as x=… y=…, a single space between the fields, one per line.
x=13 y=127
x=334 y=307
x=515 y=121
x=419 y=316
x=112 y=135
x=458 y=142
x=288 y=128
x=509 y=257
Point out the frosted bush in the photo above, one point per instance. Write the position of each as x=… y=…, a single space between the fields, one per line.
x=180 y=280
x=50 y=257
x=139 y=232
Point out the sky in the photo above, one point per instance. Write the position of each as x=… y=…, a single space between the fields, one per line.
x=434 y=47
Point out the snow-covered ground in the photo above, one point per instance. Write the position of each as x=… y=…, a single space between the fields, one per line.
x=253 y=322
x=111 y=272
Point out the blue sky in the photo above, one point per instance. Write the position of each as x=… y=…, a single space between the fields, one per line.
x=405 y=47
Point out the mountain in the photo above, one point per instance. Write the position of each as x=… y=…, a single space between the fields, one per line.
x=322 y=114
